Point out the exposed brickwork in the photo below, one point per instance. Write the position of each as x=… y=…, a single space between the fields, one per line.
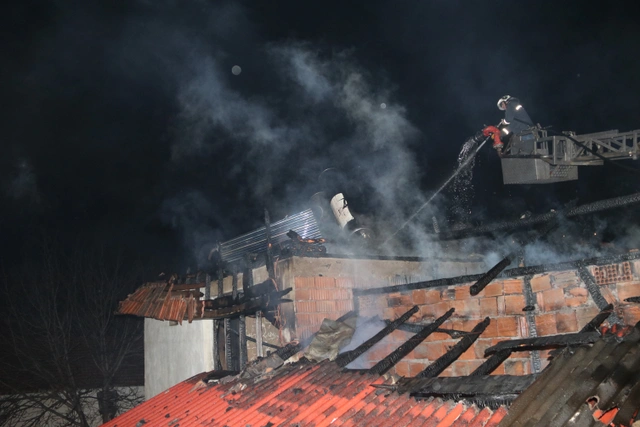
x=317 y=298
x=563 y=305
x=613 y=273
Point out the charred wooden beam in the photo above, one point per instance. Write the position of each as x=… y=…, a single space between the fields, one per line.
x=228 y=357
x=457 y=388
x=437 y=283
x=515 y=272
x=266 y=344
x=288 y=350
x=530 y=306
x=544 y=342
x=416 y=327
x=260 y=289
x=482 y=283
x=441 y=363
x=491 y=363
x=477 y=287
x=226 y=301
x=242 y=338
x=259 y=350
x=231 y=340
x=249 y=307
x=596 y=295
x=592 y=326
x=595 y=323
x=242 y=327
x=388 y=362
x=599 y=206
x=349 y=356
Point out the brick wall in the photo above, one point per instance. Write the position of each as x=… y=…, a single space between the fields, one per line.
x=563 y=305
x=317 y=298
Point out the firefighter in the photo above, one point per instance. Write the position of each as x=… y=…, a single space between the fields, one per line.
x=515 y=119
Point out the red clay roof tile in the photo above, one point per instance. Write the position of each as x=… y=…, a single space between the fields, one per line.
x=299 y=395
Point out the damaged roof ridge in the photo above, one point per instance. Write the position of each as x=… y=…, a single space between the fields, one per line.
x=514 y=272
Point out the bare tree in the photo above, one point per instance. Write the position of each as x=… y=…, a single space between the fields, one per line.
x=65 y=346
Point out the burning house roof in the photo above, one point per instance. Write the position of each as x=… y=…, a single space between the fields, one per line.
x=477 y=340
x=591 y=384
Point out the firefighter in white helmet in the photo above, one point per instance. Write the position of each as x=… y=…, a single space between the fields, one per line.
x=515 y=119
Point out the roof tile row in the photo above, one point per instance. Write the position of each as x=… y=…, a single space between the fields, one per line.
x=301 y=394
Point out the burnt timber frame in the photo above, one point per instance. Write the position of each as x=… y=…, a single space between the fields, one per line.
x=600 y=205
x=514 y=272
x=388 y=362
x=441 y=363
x=486 y=390
x=349 y=356
x=501 y=351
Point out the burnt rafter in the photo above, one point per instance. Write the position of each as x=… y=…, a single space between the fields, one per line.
x=486 y=386
x=544 y=342
x=514 y=272
x=601 y=205
x=256 y=291
x=477 y=287
x=482 y=283
x=266 y=344
x=416 y=327
x=491 y=363
x=250 y=307
x=441 y=363
x=388 y=362
x=596 y=295
x=349 y=356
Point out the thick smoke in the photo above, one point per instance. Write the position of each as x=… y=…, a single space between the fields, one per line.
x=269 y=117
x=326 y=112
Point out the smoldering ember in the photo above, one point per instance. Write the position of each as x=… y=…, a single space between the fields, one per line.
x=393 y=214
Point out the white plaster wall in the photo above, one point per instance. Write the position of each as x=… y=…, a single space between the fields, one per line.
x=173 y=352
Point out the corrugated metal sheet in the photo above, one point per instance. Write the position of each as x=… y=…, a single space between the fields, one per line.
x=303 y=223
x=301 y=394
x=589 y=386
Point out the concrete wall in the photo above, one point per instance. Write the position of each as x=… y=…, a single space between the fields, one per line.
x=173 y=352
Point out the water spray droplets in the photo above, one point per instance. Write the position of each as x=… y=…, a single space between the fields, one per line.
x=462 y=185
x=236 y=70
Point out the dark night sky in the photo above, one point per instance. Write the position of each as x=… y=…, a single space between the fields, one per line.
x=123 y=123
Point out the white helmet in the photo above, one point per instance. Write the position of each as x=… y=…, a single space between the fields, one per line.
x=504 y=99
